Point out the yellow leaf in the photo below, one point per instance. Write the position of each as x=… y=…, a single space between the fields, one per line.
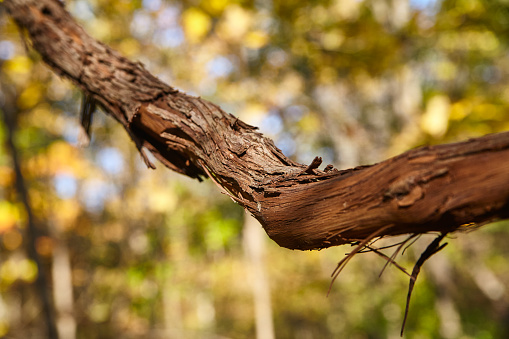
x=460 y=109
x=66 y=213
x=253 y=113
x=162 y=200
x=292 y=83
x=235 y=23
x=196 y=24
x=333 y=39
x=9 y=271
x=436 y=118
x=256 y=39
x=100 y=29
x=12 y=239
x=27 y=270
x=215 y=6
x=446 y=70
x=30 y=96
x=8 y=216
x=47 y=117
x=488 y=111
x=19 y=64
x=129 y=47
x=309 y=123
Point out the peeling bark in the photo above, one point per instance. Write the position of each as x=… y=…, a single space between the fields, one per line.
x=440 y=188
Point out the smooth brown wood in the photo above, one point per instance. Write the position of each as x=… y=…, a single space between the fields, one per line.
x=440 y=188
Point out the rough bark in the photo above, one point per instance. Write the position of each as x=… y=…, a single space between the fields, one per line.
x=439 y=188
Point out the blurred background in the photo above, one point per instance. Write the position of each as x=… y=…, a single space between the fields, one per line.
x=129 y=252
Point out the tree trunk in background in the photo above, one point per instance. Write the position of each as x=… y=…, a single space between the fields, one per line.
x=172 y=297
x=439 y=188
x=63 y=290
x=9 y=116
x=254 y=249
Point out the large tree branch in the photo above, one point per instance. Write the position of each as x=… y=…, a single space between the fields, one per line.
x=436 y=188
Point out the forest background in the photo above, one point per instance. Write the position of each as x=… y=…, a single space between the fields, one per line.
x=131 y=252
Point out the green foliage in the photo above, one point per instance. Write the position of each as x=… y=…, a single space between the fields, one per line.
x=154 y=254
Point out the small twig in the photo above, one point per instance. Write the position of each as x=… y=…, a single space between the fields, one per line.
x=384 y=247
x=389 y=260
x=432 y=248
x=350 y=255
x=393 y=256
x=409 y=245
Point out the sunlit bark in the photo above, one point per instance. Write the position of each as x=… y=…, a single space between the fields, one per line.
x=438 y=188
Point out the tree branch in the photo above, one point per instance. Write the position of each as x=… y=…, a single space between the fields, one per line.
x=429 y=189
